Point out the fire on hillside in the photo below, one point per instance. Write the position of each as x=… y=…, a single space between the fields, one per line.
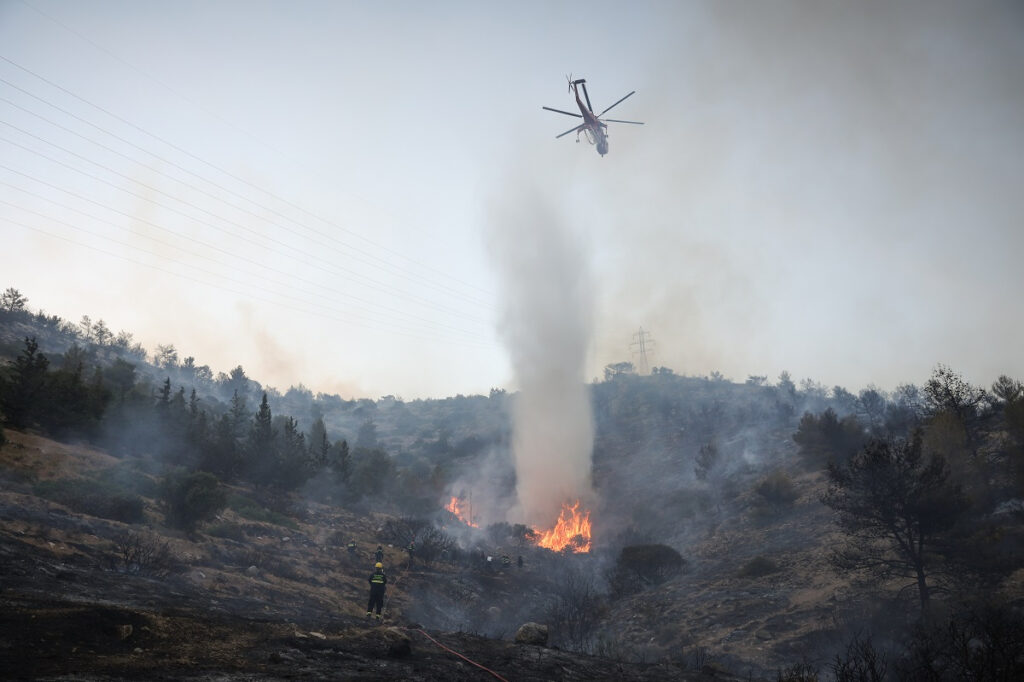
x=462 y=511
x=571 y=532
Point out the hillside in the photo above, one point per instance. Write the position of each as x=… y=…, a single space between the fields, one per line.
x=202 y=612
x=748 y=529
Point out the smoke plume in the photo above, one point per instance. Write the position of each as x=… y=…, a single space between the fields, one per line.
x=545 y=288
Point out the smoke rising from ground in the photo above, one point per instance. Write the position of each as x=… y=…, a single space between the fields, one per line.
x=545 y=289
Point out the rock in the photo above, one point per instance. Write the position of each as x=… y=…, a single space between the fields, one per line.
x=274 y=657
x=318 y=635
x=532 y=633
x=252 y=571
x=494 y=612
x=398 y=643
x=137 y=650
x=124 y=631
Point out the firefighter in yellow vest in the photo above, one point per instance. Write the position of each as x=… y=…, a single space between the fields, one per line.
x=378 y=585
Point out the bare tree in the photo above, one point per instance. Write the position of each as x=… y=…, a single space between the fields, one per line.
x=895 y=507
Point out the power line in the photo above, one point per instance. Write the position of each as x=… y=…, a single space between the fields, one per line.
x=229 y=290
x=261 y=275
x=394 y=270
x=262 y=267
x=233 y=176
x=331 y=269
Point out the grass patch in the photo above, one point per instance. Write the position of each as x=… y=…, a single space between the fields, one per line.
x=249 y=509
x=93 y=497
x=127 y=475
x=226 y=530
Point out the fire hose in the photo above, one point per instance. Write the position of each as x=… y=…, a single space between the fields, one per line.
x=449 y=650
x=452 y=651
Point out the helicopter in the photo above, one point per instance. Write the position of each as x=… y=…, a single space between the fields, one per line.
x=593 y=126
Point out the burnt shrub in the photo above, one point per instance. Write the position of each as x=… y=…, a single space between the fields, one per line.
x=757 y=567
x=861 y=662
x=984 y=642
x=641 y=566
x=191 y=498
x=96 y=498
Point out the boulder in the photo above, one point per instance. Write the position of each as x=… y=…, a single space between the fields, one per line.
x=252 y=571
x=532 y=633
x=398 y=643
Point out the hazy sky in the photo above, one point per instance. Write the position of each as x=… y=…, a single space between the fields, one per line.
x=835 y=189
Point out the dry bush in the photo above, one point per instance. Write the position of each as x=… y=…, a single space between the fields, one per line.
x=577 y=612
x=143 y=554
x=775 y=492
x=798 y=672
x=861 y=662
x=227 y=531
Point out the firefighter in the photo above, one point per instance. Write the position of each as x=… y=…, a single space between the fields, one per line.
x=378 y=586
x=351 y=546
x=379 y=555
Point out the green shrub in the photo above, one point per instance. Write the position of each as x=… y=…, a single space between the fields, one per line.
x=639 y=566
x=96 y=498
x=191 y=498
x=757 y=567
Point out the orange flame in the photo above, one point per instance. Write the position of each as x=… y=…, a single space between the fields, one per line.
x=459 y=509
x=572 y=531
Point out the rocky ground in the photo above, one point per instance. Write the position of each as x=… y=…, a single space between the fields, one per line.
x=283 y=604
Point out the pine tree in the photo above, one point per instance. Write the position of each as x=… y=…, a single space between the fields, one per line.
x=262 y=454
x=22 y=393
x=238 y=415
x=319 y=445
x=343 y=464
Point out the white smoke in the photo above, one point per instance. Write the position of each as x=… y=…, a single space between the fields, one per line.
x=546 y=293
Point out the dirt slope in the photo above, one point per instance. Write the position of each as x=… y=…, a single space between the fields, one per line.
x=282 y=604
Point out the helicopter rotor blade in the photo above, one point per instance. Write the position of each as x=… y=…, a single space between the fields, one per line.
x=570 y=130
x=615 y=120
x=616 y=104
x=559 y=111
